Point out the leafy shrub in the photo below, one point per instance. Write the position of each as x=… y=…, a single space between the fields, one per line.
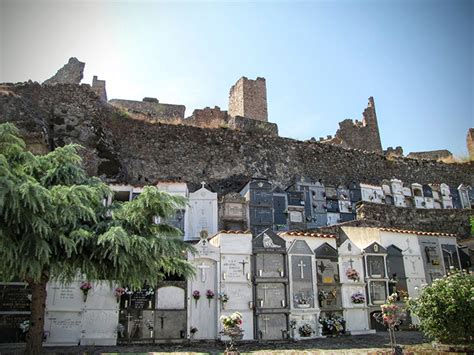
x=446 y=309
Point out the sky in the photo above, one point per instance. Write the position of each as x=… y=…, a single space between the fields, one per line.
x=321 y=59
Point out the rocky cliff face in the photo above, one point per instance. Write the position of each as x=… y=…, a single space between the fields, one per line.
x=119 y=148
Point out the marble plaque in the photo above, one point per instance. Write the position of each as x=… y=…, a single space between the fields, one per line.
x=239 y=296
x=10 y=331
x=271 y=295
x=170 y=324
x=235 y=267
x=302 y=280
x=67 y=297
x=63 y=327
x=101 y=296
x=270 y=265
x=375 y=266
x=296 y=216
x=356 y=319
x=15 y=298
x=272 y=326
x=170 y=297
x=99 y=327
x=413 y=266
x=378 y=292
x=327 y=271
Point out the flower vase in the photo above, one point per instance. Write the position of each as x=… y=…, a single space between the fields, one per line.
x=209 y=301
x=195 y=302
x=84 y=296
x=118 y=299
x=223 y=305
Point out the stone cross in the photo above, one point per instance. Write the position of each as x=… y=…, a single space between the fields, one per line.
x=243 y=262
x=54 y=294
x=301 y=266
x=413 y=262
x=162 y=318
x=322 y=267
x=266 y=319
x=203 y=268
x=351 y=262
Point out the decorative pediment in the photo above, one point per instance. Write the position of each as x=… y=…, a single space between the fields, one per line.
x=278 y=190
x=375 y=248
x=393 y=250
x=269 y=240
x=260 y=184
x=349 y=248
x=205 y=250
x=300 y=247
x=326 y=251
x=203 y=193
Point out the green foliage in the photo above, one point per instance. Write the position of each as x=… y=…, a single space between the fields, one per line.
x=53 y=222
x=446 y=309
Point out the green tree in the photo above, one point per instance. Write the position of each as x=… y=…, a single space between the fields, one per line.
x=54 y=226
x=446 y=309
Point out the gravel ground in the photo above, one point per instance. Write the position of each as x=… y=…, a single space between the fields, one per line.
x=347 y=345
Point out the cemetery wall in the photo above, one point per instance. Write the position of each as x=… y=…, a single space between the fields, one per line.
x=430 y=220
x=122 y=149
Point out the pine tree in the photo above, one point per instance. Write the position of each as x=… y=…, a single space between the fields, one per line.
x=54 y=226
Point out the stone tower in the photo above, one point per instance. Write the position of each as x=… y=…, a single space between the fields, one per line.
x=370 y=121
x=248 y=98
x=470 y=143
x=99 y=88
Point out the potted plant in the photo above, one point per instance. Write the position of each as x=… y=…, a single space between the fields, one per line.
x=232 y=325
x=280 y=270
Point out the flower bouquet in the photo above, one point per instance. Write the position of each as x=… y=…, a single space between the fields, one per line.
x=352 y=274
x=209 y=295
x=333 y=325
x=222 y=296
x=85 y=287
x=119 y=292
x=306 y=330
x=196 y=296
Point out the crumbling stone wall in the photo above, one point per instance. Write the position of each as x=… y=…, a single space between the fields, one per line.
x=428 y=220
x=134 y=151
x=431 y=155
x=150 y=109
x=359 y=134
x=208 y=117
x=393 y=152
x=248 y=98
x=70 y=73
